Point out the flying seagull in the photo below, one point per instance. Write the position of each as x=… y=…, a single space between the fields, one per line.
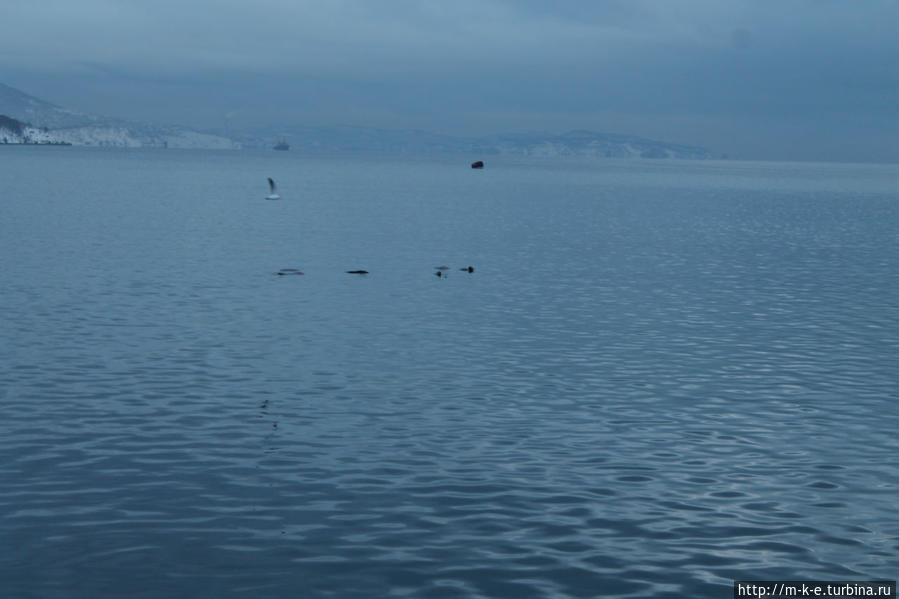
x=272 y=195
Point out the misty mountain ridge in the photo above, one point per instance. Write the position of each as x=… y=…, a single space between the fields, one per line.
x=19 y=105
x=78 y=128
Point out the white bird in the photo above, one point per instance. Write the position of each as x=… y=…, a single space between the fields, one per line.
x=272 y=195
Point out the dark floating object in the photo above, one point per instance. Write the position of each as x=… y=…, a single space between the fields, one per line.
x=357 y=272
x=477 y=164
x=441 y=268
x=468 y=269
x=289 y=271
x=282 y=145
x=439 y=273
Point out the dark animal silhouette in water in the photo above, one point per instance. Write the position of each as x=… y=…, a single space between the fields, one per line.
x=477 y=164
x=441 y=271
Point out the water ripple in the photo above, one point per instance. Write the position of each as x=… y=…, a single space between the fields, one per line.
x=642 y=391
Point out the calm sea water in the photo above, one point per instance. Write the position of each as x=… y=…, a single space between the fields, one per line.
x=660 y=377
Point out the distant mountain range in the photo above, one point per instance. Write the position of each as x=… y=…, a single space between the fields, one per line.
x=574 y=143
x=68 y=126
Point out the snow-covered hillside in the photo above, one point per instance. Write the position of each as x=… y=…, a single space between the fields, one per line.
x=13 y=131
x=592 y=145
x=81 y=129
x=142 y=137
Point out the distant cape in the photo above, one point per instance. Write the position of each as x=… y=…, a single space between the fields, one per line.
x=77 y=128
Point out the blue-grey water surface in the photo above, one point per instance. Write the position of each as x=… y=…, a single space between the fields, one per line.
x=661 y=376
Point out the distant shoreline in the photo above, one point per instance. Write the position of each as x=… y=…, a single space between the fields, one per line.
x=35 y=143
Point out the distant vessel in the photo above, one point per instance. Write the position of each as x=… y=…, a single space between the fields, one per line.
x=272 y=186
x=282 y=145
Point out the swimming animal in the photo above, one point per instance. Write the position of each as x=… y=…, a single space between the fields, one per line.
x=271 y=186
x=439 y=273
x=357 y=272
x=441 y=268
x=469 y=269
x=289 y=271
x=477 y=164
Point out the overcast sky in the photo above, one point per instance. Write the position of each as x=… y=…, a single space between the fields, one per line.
x=779 y=79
